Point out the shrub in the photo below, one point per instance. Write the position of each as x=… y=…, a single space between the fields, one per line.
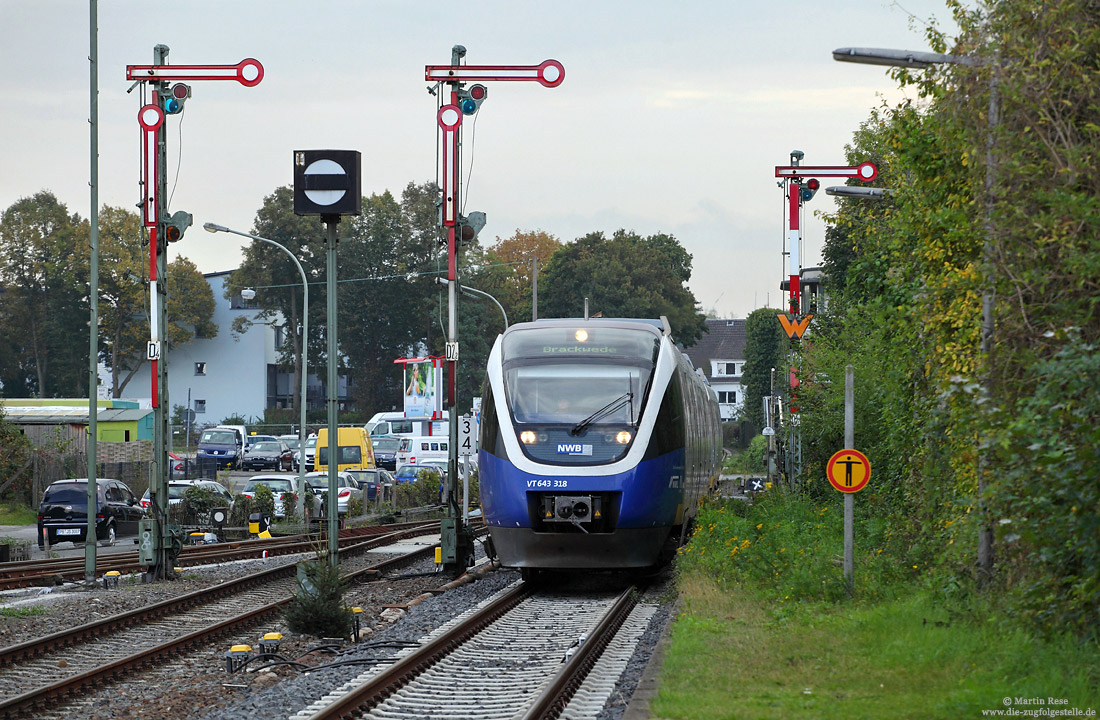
x=318 y=607
x=789 y=546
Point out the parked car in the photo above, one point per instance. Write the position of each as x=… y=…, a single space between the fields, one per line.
x=373 y=480
x=177 y=466
x=264 y=454
x=251 y=440
x=63 y=512
x=280 y=484
x=412 y=473
x=222 y=446
x=178 y=488
x=385 y=451
x=310 y=452
x=346 y=486
x=290 y=440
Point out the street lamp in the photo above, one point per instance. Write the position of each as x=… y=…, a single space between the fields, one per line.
x=910 y=59
x=214 y=228
x=854 y=191
x=474 y=291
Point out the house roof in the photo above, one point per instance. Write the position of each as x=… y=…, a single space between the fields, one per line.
x=724 y=340
x=54 y=415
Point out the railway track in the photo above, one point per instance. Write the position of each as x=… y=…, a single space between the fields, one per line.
x=525 y=653
x=33 y=573
x=66 y=663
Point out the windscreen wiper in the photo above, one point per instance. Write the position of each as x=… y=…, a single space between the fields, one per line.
x=602 y=412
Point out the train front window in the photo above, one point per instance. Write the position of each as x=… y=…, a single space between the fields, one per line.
x=561 y=376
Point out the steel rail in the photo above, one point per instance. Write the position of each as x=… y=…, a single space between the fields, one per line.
x=380 y=687
x=35 y=699
x=565 y=683
x=72 y=636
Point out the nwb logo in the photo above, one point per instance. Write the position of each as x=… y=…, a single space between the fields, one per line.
x=574 y=449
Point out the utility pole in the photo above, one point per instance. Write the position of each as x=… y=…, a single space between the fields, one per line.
x=93 y=294
x=456 y=539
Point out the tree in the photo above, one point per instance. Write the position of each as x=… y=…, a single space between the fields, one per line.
x=517 y=253
x=123 y=290
x=388 y=307
x=624 y=276
x=765 y=349
x=44 y=270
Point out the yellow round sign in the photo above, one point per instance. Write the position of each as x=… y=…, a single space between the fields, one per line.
x=848 y=470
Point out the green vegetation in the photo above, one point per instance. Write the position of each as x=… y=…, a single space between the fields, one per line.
x=768 y=630
x=11 y=514
x=318 y=607
x=23 y=612
x=985 y=455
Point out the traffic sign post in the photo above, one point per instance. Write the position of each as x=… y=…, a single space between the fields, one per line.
x=163 y=228
x=456 y=541
x=327 y=183
x=848 y=471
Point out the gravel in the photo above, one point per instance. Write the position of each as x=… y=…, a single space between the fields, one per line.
x=196 y=685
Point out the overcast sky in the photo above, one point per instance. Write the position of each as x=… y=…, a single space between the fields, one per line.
x=671 y=118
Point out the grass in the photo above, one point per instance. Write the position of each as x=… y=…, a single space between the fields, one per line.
x=17 y=515
x=754 y=643
x=22 y=612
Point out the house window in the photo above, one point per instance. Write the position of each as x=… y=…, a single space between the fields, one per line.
x=727 y=397
x=725 y=368
x=200 y=368
x=200 y=406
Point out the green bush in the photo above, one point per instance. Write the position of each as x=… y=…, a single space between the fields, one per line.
x=318 y=607
x=790 y=547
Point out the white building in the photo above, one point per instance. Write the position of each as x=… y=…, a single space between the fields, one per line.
x=225 y=376
x=721 y=355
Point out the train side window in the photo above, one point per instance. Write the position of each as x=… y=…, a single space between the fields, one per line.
x=489 y=425
x=668 y=433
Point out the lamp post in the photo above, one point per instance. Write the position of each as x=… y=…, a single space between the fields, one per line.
x=921 y=60
x=474 y=291
x=213 y=228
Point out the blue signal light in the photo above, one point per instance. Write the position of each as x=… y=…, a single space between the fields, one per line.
x=468 y=106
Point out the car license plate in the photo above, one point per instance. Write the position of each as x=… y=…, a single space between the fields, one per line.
x=69 y=531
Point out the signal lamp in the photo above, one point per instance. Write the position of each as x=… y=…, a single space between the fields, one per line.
x=470 y=99
x=176 y=97
x=176 y=226
x=810 y=189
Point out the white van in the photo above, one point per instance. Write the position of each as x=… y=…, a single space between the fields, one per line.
x=395 y=423
x=416 y=449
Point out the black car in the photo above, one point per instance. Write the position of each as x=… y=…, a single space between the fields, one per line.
x=385 y=451
x=273 y=454
x=63 y=513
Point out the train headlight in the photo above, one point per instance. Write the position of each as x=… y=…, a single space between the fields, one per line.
x=527 y=437
x=581 y=335
x=623 y=438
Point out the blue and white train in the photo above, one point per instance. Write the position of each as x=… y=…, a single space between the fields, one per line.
x=598 y=440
